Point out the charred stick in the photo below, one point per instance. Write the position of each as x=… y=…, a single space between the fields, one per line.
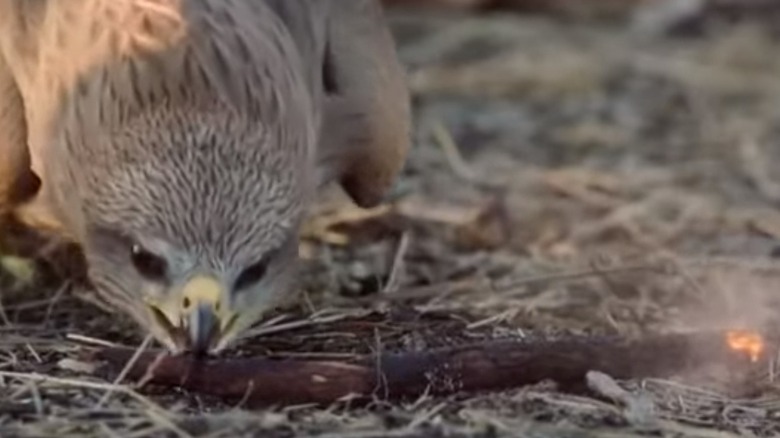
x=490 y=366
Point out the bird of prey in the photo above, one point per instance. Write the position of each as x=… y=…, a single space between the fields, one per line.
x=179 y=143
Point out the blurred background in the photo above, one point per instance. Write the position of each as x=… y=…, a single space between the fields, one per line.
x=555 y=136
x=643 y=124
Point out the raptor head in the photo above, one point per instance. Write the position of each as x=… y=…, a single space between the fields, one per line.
x=189 y=220
x=183 y=168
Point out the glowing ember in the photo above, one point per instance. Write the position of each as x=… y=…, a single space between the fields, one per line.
x=748 y=341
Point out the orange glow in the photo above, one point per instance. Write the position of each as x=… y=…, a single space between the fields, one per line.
x=747 y=341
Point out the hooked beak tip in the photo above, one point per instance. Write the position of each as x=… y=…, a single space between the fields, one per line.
x=203 y=329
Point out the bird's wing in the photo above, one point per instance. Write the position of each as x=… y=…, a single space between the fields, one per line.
x=39 y=65
x=17 y=182
x=365 y=128
x=305 y=21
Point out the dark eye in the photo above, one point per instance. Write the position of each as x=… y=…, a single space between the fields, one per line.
x=151 y=266
x=251 y=275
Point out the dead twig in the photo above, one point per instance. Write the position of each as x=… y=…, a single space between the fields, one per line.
x=492 y=366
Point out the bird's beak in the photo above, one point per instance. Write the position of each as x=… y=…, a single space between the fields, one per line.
x=198 y=313
x=202 y=299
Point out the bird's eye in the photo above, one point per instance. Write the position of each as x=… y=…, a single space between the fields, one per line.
x=251 y=275
x=149 y=265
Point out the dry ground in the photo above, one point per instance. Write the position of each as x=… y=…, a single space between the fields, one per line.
x=567 y=177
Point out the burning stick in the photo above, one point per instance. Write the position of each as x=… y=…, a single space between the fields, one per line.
x=746 y=341
x=490 y=366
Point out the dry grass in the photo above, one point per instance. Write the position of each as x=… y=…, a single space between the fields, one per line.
x=566 y=178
